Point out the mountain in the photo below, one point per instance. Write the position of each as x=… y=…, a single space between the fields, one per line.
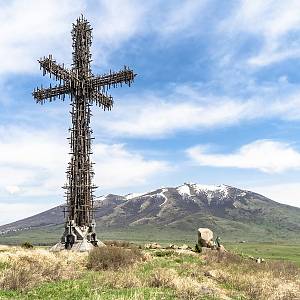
x=173 y=213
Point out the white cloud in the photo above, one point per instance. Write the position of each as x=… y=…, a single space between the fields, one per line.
x=286 y=193
x=183 y=109
x=161 y=118
x=114 y=23
x=33 y=28
x=187 y=108
x=275 y=22
x=180 y=16
x=264 y=155
x=13 y=189
x=33 y=162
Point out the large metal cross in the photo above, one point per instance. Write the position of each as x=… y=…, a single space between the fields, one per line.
x=84 y=89
x=79 y=81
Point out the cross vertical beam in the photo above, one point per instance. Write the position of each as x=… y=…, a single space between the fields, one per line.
x=84 y=89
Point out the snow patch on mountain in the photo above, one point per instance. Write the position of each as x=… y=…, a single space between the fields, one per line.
x=101 y=198
x=184 y=190
x=161 y=194
x=210 y=189
x=242 y=194
x=133 y=195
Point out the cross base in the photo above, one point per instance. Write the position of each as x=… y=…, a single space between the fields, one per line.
x=77 y=238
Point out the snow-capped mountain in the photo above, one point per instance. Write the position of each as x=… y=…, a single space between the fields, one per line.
x=224 y=208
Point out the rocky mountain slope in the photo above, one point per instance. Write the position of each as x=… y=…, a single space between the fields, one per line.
x=231 y=212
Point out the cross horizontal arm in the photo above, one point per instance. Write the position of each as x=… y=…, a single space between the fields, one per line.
x=113 y=79
x=50 y=66
x=104 y=101
x=41 y=94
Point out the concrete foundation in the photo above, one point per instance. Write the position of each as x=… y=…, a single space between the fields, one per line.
x=79 y=246
x=77 y=238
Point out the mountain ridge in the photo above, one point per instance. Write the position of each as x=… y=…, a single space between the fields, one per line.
x=230 y=211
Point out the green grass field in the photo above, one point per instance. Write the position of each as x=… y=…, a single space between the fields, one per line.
x=267 y=250
x=274 y=251
x=141 y=235
x=49 y=235
x=80 y=289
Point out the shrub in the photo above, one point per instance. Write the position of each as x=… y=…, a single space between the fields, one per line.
x=162 y=277
x=27 y=245
x=112 y=258
x=121 y=244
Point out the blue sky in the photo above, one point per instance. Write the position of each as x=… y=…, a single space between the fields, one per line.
x=216 y=99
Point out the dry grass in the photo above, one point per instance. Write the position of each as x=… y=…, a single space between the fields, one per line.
x=162 y=277
x=186 y=287
x=270 y=280
x=117 y=279
x=112 y=258
x=121 y=244
x=28 y=268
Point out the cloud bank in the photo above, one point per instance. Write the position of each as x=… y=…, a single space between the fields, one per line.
x=188 y=108
x=264 y=155
x=274 y=24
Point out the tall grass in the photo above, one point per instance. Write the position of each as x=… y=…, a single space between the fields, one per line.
x=112 y=258
x=27 y=269
x=272 y=280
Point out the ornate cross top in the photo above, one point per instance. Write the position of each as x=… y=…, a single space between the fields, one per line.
x=79 y=82
x=84 y=89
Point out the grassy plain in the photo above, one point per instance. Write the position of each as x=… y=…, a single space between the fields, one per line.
x=155 y=274
x=143 y=234
x=51 y=234
x=273 y=251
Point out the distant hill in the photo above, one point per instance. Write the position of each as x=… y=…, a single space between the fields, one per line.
x=172 y=214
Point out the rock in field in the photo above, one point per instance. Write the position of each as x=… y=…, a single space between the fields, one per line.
x=153 y=246
x=205 y=237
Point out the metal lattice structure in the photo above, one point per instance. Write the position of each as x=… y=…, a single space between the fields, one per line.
x=84 y=89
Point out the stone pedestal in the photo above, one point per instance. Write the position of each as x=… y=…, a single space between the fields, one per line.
x=77 y=238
